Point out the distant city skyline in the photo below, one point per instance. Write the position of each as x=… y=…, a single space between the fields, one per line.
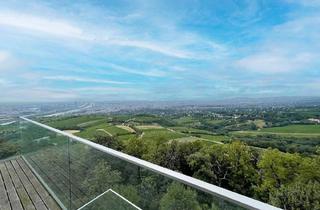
x=158 y=50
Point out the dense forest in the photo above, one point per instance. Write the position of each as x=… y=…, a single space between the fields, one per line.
x=289 y=181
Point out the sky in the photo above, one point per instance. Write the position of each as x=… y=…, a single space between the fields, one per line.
x=105 y=50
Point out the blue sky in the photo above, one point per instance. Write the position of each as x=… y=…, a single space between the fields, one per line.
x=158 y=50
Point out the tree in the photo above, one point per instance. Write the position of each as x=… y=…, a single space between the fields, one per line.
x=7 y=149
x=289 y=181
x=168 y=156
x=153 y=145
x=130 y=192
x=151 y=189
x=135 y=147
x=179 y=197
x=174 y=155
x=253 y=126
x=310 y=169
x=101 y=178
x=297 y=196
x=230 y=166
x=108 y=141
x=277 y=169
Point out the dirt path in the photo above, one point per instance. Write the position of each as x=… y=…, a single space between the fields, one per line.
x=147 y=127
x=202 y=139
x=127 y=128
x=169 y=129
x=72 y=131
x=103 y=130
x=141 y=136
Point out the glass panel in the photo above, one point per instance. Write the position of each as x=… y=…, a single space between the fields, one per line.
x=83 y=177
x=47 y=154
x=9 y=139
x=93 y=172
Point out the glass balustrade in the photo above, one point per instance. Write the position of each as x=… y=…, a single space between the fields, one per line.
x=81 y=175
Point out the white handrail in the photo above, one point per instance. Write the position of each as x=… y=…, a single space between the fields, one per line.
x=222 y=193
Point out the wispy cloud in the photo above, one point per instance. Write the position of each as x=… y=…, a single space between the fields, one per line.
x=287 y=47
x=156 y=47
x=150 y=73
x=104 y=90
x=4 y=82
x=3 y=56
x=83 y=79
x=8 y=62
x=275 y=62
x=48 y=26
x=32 y=94
x=66 y=29
x=308 y=3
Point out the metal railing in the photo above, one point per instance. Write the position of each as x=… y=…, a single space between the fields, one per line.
x=218 y=192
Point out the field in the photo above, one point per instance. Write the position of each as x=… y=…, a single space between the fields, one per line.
x=259 y=123
x=126 y=137
x=290 y=130
x=190 y=130
x=305 y=129
x=187 y=139
x=102 y=129
x=214 y=138
x=194 y=138
x=214 y=122
x=127 y=128
x=73 y=123
x=143 y=118
x=206 y=126
x=90 y=123
x=8 y=128
x=184 y=120
x=161 y=133
x=91 y=126
x=149 y=127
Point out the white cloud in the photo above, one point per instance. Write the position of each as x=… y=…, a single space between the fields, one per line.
x=31 y=94
x=43 y=25
x=156 y=47
x=151 y=73
x=7 y=62
x=103 y=90
x=3 y=56
x=4 y=82
x=314 y=85
x=312 y=3
x=301 y=27
x=34 y=93
x=64 y=29
x=290 y=46
x=273 y=62
x=80 y=79
x=113 y=34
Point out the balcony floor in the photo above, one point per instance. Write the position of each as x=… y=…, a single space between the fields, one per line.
x=20 y=189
